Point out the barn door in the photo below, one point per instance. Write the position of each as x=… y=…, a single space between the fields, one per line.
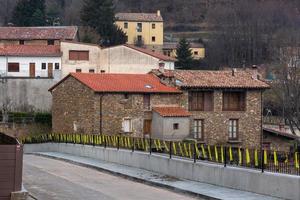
x=147 y=126
x=50 y=69
x=32 y=69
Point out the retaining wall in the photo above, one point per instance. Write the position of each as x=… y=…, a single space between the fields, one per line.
x=277 y=185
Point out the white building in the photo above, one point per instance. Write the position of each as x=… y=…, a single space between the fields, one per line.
x=30 y=61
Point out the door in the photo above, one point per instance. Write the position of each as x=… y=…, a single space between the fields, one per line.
x=147 y=126
x=50 y=69
x=32 y=69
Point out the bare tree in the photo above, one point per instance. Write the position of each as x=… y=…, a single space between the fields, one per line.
x=288 y=86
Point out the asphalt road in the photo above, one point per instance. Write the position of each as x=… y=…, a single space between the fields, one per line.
x=49 y=179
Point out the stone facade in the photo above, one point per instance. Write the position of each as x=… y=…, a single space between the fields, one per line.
x=76 y=108
x=216 y=122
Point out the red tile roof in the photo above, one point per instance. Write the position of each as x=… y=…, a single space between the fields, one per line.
x=214 y=79
x=157 y=55
x=38 y=33
x=139 y=17
x=31 y=50
x=131 y=83
x=172 y=111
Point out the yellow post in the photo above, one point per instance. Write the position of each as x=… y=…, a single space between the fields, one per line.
x=240 y=156
x=190 y=150
x=166 y=146
x=216 y=154
x=230 y=154
x=185 y=150
x=180 y=148
x=174 y=148
x=222 y=154
x=256 y=158
x=247 y=156
x=197 y=150
x=203 y=151
x=296 y=160
x=275 y=158
x=209 y=152
x=265 y=157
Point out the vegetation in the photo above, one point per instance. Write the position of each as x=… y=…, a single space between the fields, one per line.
x=183 y=55
x=100 y=16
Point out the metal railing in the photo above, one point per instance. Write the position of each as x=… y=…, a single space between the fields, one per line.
x=266 y=160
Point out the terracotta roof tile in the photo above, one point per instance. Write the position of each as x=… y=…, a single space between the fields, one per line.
x=141 y=17
x=31 y=50
x=214 y=79
x=131 y=83
x=38 y=33
x=157 y=55
x=172 y=111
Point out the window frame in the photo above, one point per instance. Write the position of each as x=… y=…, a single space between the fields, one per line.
x=146 y=101
x=227 y=98
x=21 y=42
x=175 y=126
x=139 y=27
x=78 y=70
x=153 y=26
x=43 y=66
x=199 y=129
x=50 y=42
x=130 y=125
x=125 y=25
x=231 y=126
x=17 y=65
x=92 y=71
x=203 y=97
x=56 y=66
x=153 y=37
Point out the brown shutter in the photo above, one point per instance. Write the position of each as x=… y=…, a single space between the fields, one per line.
x=208 y=101
x=83 y=55
x=73 y=55
x=13 y=67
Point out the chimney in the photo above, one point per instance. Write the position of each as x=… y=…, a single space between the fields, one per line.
x=161 y=67
x=158 y=13
x=255 y=74
x=234 y=71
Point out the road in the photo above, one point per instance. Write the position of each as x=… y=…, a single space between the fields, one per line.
x=49 y=179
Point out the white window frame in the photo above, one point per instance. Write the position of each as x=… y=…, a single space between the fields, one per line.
x=127 y=125
x=233 y=129
x=198 y=129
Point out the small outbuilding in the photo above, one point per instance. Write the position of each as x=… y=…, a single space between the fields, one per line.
x=11 y=164
x=170 y=123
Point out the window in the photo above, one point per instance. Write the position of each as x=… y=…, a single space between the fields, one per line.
x=78 y=55
x=196 y=53
x=139 y=27
x=126 y=125
x=126 y=25
x=175 y=126
x=153 y=38
x=21 y=42
x=91 y=71
x=126 y=38
x=153 y=26
x=139 y=38
x=147 y=101
x=234 y=101
x=201 y=101
x=126 y=96
x=233 y=129
x=50 y=42
x=198 y=129
x=56 y=66
x=78 y=70
x=13 y=67
x=44 y=66
x=102 y=71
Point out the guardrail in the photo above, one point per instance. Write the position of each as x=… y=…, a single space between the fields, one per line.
x=269 y=160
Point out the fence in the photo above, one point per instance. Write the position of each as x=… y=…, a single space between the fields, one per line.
x=274 y=161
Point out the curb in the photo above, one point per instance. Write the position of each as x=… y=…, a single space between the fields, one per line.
x=136 y=179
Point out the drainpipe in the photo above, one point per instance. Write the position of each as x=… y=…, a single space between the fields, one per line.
x=261 y=133
x=101 y=115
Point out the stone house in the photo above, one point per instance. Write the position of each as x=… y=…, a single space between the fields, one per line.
x=225 y=105
x=109 y=103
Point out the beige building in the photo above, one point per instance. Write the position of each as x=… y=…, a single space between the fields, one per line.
x=131 y=59
x=80 y=57
x=197 y=49
x=142 y=28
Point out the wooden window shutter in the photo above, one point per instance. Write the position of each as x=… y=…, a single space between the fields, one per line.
x=13 y=67
x=208 y=101
x=73 y=55
x=83 y=55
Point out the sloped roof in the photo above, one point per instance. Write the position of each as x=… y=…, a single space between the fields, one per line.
x=31 y=50
x=214 y=79
x=157 y=55
x=280 y=133
x=38 y=33
x=131 y=83
x=141 y=17
x=172 y=111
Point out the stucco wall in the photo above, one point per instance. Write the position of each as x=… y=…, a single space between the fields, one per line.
x=162 y=127
x=71 y=65
x=122 y=59
x=24 y=65
x=24 y=94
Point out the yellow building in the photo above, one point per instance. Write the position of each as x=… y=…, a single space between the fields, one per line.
x=198 y=50
x=144 y=29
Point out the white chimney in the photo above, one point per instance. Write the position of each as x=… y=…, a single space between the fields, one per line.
x=161 y=67
x=234 y=70
x=158 y=13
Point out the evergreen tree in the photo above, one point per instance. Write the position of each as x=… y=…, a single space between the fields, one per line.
x=100 y=15
x=184 y=55
x=29 y=13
